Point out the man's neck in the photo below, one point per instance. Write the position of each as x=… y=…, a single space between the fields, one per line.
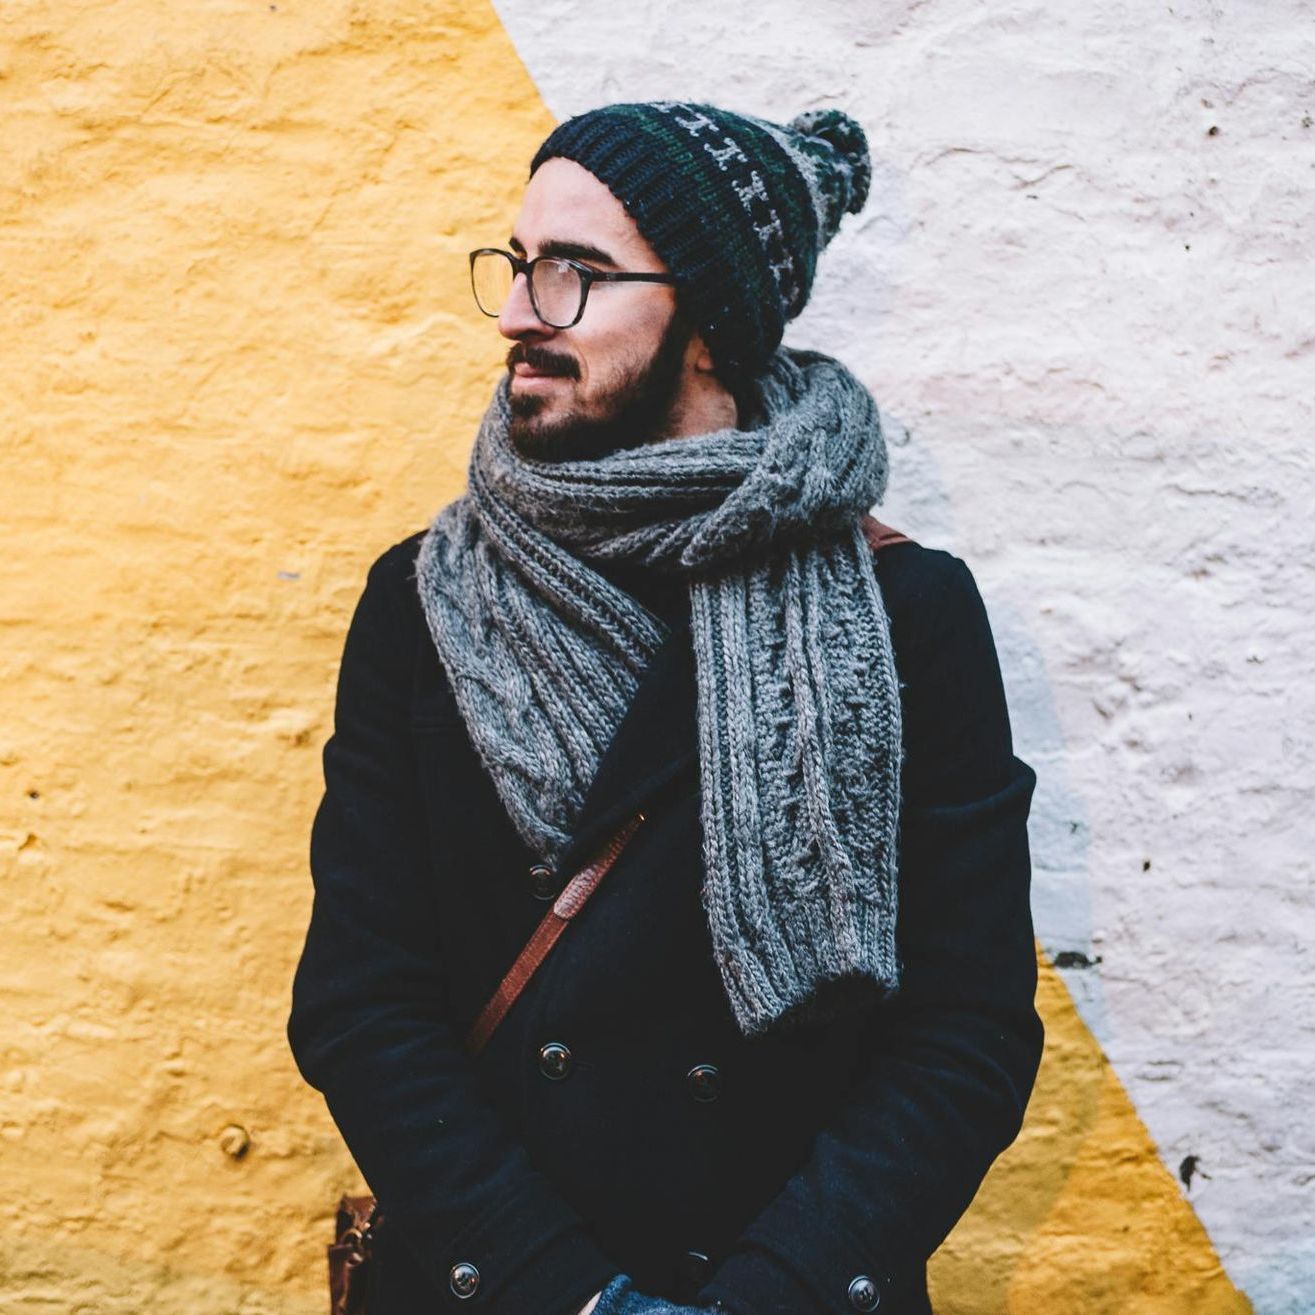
x=704 y=407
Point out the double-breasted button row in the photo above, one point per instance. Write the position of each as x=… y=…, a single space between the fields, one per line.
x=556 y=1062
x=863 y=1293
x=463 y=1279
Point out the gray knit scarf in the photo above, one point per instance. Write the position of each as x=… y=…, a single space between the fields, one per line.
x=798 y=704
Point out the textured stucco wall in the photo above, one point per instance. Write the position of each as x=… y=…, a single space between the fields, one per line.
x=237 y=363
x=238 y=360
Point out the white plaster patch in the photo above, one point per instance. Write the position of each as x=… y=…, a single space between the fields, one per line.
x=1081 y=294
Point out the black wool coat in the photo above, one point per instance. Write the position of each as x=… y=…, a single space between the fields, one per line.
x=618 y=1120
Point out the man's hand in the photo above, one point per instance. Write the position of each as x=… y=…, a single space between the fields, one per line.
x=590 y=1304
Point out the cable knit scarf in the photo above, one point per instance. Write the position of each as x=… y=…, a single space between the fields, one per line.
x=798 y=704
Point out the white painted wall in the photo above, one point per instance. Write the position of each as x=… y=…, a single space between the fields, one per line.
x=1082 y=294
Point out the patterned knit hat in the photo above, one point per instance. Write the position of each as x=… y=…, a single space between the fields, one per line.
x=737 y=208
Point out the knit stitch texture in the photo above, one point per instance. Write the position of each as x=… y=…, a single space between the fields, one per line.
x=798 y=702
x=738 y=208
x=621 y=1297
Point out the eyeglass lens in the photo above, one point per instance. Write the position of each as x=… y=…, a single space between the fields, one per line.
x=555 y=287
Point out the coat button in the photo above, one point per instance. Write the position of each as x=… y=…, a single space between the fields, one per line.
x=463 y=1279
x=554 y=1061
x=704 y=1082
x=543 y=882
x=863 y=1294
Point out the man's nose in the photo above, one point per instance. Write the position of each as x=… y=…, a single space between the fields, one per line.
x=517 y=319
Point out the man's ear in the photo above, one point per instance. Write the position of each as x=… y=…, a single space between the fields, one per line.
x=698 y=356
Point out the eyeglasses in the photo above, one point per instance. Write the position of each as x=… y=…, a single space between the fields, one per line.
x=558 y=287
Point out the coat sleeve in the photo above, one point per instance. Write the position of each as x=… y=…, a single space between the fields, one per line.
x=948 y=1063
x=368 y=1027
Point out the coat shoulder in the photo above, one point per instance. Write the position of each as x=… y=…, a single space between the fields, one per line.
x=392 y=577
x=956 y=723
x=928 y=592
x=396 y=565
x=388 y=618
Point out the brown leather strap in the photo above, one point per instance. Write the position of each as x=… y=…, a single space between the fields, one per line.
x=350 y=1254
x=879 y=535
x=555 y=921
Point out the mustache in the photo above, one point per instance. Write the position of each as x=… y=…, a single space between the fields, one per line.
x=543 y=360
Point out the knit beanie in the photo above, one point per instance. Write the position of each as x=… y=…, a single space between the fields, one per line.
x=737 y=208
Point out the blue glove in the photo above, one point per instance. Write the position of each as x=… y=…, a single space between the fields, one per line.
x=620 y=1297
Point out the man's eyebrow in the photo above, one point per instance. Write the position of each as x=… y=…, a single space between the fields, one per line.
x=569 y=250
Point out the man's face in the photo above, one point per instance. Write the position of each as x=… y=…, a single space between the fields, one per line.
x=614 y=379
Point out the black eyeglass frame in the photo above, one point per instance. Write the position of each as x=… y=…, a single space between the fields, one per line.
x=588 y=277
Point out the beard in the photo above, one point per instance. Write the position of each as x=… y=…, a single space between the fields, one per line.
x=637 y=408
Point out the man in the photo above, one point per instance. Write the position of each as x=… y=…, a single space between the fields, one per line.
x=768 y=1064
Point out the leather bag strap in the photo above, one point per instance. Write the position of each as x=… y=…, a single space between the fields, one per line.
x=880 y=535
x=572 y=899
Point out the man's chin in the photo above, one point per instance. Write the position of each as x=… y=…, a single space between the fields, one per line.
x=544 y=432
x=547 y=438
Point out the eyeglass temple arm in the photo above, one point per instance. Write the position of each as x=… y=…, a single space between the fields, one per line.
x=632 y=278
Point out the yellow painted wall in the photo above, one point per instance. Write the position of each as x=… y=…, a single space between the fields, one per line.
x=238 y=361
x=1079 y=1216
